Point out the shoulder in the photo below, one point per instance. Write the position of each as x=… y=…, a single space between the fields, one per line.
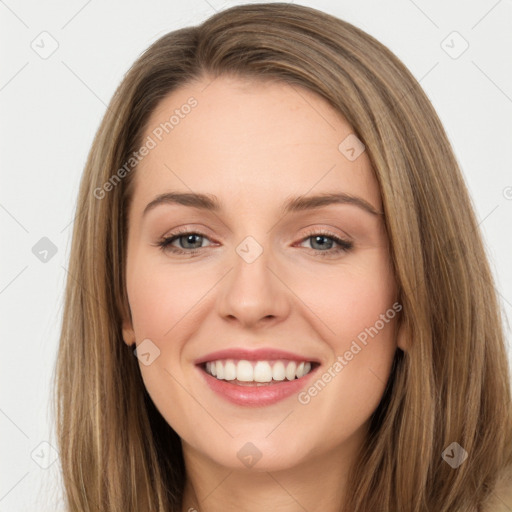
x=500 y=499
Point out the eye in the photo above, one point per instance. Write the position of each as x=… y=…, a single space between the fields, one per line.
x=190 y=241
x=318 y=240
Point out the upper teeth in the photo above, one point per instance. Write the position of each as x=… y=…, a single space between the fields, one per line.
x=257 y=371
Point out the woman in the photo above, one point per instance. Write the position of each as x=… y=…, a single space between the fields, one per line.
x=332 y=340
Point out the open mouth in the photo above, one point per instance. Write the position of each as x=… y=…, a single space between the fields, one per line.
x=258 y=373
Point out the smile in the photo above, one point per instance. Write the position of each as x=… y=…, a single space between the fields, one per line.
x=256 y=378
x=243 y=372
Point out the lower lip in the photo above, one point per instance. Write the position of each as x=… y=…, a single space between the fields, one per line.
x=256 y=396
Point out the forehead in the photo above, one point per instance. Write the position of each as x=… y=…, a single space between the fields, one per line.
x=250 y=142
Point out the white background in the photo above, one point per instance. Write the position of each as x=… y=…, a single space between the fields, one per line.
x=51 y=108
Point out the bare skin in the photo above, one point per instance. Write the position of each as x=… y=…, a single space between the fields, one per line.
x=254 y=146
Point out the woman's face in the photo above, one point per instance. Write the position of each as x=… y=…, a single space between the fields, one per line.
x=252 y=290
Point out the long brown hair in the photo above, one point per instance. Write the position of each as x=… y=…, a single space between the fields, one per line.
x=451 y=385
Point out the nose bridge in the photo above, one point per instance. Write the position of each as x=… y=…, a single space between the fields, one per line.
x=252 y=291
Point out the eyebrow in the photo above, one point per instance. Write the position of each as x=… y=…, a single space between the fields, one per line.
x=295 y=204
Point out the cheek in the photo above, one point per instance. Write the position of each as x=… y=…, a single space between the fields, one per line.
x=356 y=306
x=347 y=300
x=161 y=297
x=348 y=390
x=163 y=302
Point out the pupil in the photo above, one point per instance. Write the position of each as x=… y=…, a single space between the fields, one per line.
x=190 y=238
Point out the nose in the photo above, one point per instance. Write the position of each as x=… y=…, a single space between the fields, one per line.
x=254 y=293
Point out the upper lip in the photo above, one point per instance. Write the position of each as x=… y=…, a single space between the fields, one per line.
x=262 y=354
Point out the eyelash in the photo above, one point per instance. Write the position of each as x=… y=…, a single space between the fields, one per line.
x=165 y=243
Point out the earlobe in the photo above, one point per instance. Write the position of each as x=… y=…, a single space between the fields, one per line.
x=127 y=327
x=128 y=335
x=403 y=338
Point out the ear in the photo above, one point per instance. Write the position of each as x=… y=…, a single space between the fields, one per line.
x=403 y=338
x=127 y=324
x=128 y=334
